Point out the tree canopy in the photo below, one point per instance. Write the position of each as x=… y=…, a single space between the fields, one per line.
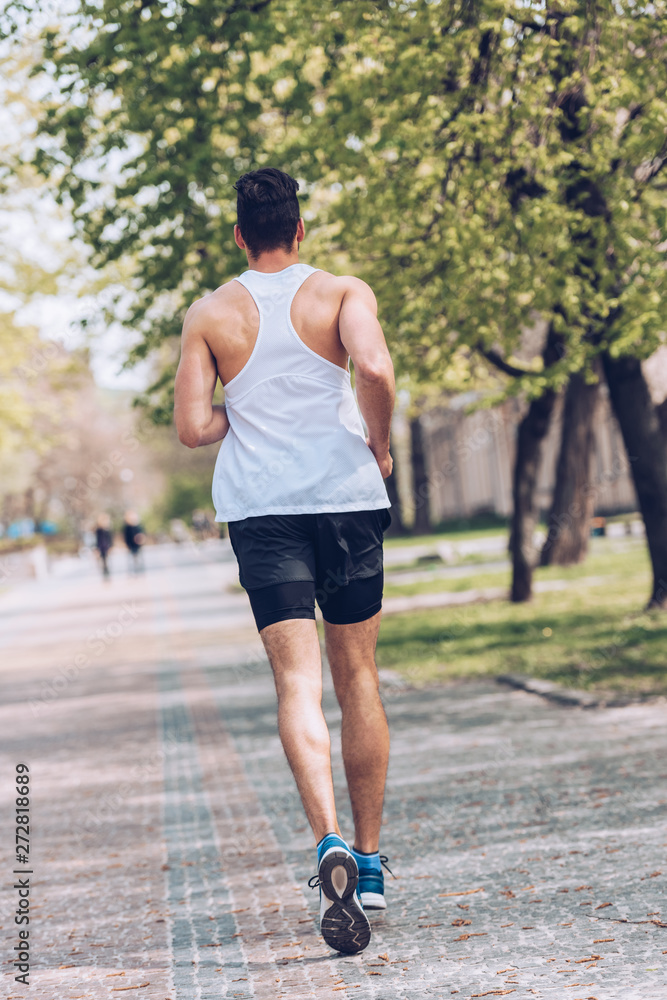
x=481 y=164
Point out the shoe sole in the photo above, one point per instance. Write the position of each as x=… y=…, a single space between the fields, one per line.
x=373 y=901
x=344 y=925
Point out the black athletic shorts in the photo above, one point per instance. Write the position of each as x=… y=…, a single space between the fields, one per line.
x=289 y=561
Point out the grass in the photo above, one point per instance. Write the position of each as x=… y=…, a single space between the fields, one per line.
x=590 y=635
x=448 y=534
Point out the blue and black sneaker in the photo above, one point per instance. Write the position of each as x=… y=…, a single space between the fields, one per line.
x=343 y=923
x=371 y=879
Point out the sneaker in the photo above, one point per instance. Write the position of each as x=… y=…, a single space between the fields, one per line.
x=371 y=879
x=343 y=923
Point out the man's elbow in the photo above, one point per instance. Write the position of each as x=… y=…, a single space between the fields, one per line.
x=378 y=370
x=189 y=436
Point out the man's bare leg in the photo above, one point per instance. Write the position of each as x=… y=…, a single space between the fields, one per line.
x=365 y=733
x=293 y=650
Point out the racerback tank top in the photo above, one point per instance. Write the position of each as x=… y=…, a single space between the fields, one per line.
x=295 y=443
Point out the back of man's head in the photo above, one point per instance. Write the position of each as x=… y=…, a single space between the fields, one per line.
x=267 y=210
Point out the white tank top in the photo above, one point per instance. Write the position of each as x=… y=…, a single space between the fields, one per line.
x=295 y=443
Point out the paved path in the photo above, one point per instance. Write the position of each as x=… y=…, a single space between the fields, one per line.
x=170 y=854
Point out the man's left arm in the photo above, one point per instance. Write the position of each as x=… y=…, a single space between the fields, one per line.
x=198 y=420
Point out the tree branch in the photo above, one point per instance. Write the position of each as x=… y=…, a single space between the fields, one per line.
x=649 y=168
x=504 y=366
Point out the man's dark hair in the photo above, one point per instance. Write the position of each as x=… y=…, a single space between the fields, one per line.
x=267 y=210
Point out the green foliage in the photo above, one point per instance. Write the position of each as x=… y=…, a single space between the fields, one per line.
x=482 y=164
x=186 y=96
x=184 y=494
x=499 y=163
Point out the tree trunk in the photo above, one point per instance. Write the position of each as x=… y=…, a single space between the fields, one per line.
x=397 y=526
x=530 y=436
x=421 y=487
x=645 y=444
x=662 y=417
x=573 y=500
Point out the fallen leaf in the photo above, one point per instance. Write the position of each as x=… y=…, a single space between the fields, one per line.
x=467 y=892
x=602 y=906
x=493 y=993
x=119 y=989
x=604 y=940
x=385 y=958
x=460 y=922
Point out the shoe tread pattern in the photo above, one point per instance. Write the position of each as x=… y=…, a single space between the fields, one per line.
x=344 y=925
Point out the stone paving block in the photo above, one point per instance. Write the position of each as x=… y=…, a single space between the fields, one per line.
x=171 y=853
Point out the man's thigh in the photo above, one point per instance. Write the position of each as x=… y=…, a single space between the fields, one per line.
x=276 y=558
x=293 y=649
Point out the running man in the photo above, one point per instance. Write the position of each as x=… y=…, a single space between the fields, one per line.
x=302 y=490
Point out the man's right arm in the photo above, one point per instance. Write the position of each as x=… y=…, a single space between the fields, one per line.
x=363 y=339
x=198 y=420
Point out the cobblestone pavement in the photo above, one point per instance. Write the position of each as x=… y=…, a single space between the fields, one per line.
x=170 y=854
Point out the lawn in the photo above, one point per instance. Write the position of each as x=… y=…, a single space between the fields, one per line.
x=593 y=634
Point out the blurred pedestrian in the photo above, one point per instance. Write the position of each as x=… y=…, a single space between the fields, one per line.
x=201 y=525
x=134 y=537
x=104 y=541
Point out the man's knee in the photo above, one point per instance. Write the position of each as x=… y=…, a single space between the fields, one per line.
x=358 y=684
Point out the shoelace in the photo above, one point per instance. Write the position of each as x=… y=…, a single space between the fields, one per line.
x=314 y=880
x=383 y=861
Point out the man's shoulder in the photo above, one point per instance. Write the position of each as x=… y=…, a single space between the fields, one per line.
x=343 y=283
x=222 y=300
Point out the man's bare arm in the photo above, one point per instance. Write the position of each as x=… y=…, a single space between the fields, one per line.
x=198 y=420
x=363 y=339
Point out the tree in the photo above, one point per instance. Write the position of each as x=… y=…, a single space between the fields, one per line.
x=573 y=501
x=33 y=369
x=503 y=161
x=495 y=163
x=420 y=479
x=160 y=108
